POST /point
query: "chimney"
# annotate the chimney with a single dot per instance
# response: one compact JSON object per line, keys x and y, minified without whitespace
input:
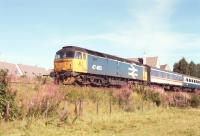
{"x":144,"y":59}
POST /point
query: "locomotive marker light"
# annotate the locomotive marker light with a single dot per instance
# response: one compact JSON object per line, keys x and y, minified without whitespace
{"x":133,"y":70}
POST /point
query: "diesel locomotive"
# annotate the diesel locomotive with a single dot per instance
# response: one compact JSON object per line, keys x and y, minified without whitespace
{"x":75,"y":65}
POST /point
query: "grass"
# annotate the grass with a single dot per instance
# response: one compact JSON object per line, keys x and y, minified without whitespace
{"x":153,"y":121}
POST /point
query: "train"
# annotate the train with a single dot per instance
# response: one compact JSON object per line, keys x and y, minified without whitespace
{"x":76,"y":65}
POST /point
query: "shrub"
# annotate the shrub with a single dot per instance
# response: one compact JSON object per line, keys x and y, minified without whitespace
{"x":195,"y":101}
{"x":122,"y":96}
{"x":45,"y":101}
{"x":151,"y":95}
{"x":155,"y":97}
{"x":7,"y":97}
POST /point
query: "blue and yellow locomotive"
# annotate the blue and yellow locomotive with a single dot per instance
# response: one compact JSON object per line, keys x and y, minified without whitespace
{"x":82,"y":66}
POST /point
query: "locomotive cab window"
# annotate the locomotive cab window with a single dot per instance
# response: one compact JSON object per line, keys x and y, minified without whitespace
{"x":78,"y":55}
{"x":69,"y":54}
{"x":57,"y":56}
{"x":84,"y":56}
{"x":63,"y":55}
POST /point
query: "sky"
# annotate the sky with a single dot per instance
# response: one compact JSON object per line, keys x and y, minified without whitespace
{"x":31,"y":31}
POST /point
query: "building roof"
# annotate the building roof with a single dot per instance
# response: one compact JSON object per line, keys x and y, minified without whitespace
{"x":31,"y":71}
{"x":21,"y":69}
{"x":151,"y":61}
{"x":12,"y":70}
{"x":165,"y":67}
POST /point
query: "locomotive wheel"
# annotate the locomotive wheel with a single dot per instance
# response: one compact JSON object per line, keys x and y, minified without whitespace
{"x":69,"y":80}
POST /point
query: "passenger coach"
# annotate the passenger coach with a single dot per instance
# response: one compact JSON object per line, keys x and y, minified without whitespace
{"x":159,"y":76}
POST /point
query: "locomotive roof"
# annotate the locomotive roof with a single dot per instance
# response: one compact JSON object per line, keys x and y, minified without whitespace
{"x":75,"y":48}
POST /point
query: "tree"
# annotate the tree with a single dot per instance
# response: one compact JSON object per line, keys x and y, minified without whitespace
{"x":198,"y":70}
{"x":192,"y":69}
{"x":176,"y":68}
{"x":181,"y":67}
{"x":8,"y":107}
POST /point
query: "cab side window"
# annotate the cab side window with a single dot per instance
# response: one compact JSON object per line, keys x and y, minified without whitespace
{"x":78,"y":55}
{"x":84,"y":56}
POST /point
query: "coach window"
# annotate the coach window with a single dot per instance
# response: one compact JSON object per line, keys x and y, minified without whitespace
{"x":160,"y":74}
{"x":154,"y":73}
{"x":164,"y":75}
{"x":168,"y":76}
{"x":187,"y":79}
{"x":157,"y":73}
{"x":174,"y":77}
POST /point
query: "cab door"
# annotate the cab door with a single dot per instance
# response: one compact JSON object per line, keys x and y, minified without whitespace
{"x":145,"y":74}
{"x":80,"y":62}
{"x":84,"y":62}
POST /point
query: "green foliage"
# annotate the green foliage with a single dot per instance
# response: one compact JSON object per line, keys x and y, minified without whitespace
{"x":155,"y":122}
{"x":183,"y":67}
{"x":192,"y":69}
{"x":154,"y":97}
{"x":195,"y":101}
{"x":7,"y":97}
{"x":75,"y":94}
{"x":44,"y":102}
{"x":198,"y":70}
{"x":149,"y":95}
{"x":95,"y":95}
